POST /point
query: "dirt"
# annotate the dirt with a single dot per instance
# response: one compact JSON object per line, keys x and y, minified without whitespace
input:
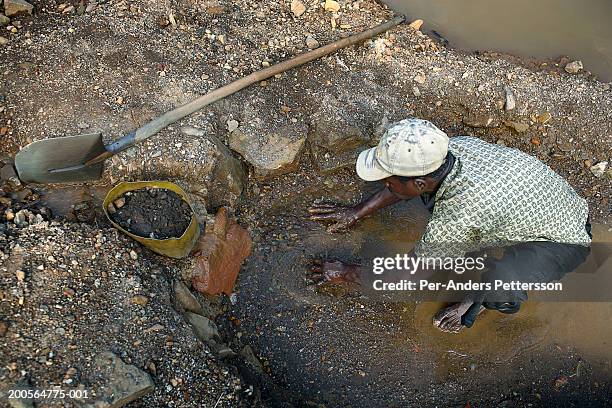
{"x":118,"y":65}
{"x":155,"y":213}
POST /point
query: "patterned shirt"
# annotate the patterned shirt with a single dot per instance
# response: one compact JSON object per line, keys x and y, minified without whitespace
{"x":496,"y":196}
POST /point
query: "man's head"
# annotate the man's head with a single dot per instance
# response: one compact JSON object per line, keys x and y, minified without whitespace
{"x":410,"y":158}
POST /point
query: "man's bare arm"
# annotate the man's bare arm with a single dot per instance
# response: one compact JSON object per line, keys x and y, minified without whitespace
{"x":344,"y":217}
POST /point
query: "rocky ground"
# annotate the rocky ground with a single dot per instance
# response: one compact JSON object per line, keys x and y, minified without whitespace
{"x":266,"y":152}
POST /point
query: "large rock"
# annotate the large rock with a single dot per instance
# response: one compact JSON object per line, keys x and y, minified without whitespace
{"x":271,"y":150}
{"x":117,"y":383}
{"x":336,"y":136}
{"x":16,"y":7}
{"x":218,"y":255}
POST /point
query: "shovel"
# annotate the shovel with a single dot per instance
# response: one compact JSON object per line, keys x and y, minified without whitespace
{"x":81,"y":158}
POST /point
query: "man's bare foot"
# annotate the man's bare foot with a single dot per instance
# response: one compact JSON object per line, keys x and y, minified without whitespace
{"x":449,"y":319}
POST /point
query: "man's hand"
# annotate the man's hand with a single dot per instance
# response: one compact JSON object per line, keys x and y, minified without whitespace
{"x":333,"y":272}
{"x":342,"y":217}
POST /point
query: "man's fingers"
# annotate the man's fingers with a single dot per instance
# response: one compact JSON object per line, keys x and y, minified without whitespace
{"x":316,"y":269}
{"x":323,"y":216}
{"x":319,"y":209}
{"x":324,"y":205}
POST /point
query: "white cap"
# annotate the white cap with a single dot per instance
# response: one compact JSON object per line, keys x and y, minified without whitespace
{"x":411,"y":147}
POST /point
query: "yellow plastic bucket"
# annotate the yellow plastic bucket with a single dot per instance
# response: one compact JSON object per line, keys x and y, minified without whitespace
{"x":172,"y":247}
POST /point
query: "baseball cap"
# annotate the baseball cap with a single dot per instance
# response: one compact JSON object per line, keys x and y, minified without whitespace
{"x":411,"y":147}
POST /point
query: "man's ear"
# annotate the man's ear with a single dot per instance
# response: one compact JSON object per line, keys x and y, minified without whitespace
{"x":420,"y":184}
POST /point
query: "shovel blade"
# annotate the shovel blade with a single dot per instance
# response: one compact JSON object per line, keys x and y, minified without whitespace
{"x":35,"y":161}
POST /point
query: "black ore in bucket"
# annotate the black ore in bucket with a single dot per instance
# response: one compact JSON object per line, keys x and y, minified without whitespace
{"x":149,"y":212}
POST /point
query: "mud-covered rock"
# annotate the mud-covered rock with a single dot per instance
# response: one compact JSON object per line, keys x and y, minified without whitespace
{"x":218,"y":255}
{"x":116,"y":383}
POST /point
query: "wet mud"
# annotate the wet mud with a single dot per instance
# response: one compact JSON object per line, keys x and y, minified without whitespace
{"x":346,"y":348}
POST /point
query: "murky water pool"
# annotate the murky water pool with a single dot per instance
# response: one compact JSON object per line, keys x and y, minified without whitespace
{"x":543,"y":28}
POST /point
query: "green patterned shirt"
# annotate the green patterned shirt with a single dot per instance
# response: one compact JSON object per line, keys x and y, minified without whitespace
{"x":497,"y":196}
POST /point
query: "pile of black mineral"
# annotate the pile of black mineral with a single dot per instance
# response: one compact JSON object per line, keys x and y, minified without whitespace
{"x":151,"y":213}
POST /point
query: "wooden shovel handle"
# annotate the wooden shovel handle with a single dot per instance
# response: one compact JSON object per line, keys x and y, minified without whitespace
{"x":168,"y":118}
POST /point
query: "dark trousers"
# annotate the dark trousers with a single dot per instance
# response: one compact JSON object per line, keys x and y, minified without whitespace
{"x":529,"y":262}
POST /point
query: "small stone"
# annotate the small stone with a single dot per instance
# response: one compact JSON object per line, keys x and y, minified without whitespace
{"x":297,"y":8}
{"x":120,"y":202}
{"x":15,"y":7}
{"x":185,"y":298}
{"x":415,"y":91}
{"x":536,"y":141}
{"x":91,"y":7}
{"x":3,"y":40}
{"x":518,"y":126}
{"x":83,"y":125}
{"x":232,"y":125}
{"x":4,"y":20}
{"x":119,"y":100}
{"x":574,"y":67}
{"x":140,"y":300}
{"x":204,"y":328}
{"x":311,"y":42}
{"x":133,"y":255}
{"x":544,"y":118}
{"x":20,"y":275}
{"x":70,"y":372}
{"x":3,"y":329}
{"x":331,"y":5}
{"x":416,"y":24}
{"x":69,"y":292}
{"x":111,"y":208}
{"x":510,"y":99}
{"x":9,"y":215}
{"x":21,"y":218}
{"x":599,"y":169}
{"x":420,"y":79}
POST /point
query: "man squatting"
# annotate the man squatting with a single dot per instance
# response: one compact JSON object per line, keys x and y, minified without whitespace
{"x":480,"y":195}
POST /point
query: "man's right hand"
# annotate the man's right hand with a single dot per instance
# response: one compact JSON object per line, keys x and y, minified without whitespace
{"x":342,"y":217}
{"x":334,"y":272}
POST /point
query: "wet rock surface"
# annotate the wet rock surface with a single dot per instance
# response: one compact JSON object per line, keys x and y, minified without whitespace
{"x":152,"y":213}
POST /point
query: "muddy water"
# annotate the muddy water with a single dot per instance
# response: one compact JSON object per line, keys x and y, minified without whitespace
{"x":543,"y":28}
{"x":498,"y":338}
